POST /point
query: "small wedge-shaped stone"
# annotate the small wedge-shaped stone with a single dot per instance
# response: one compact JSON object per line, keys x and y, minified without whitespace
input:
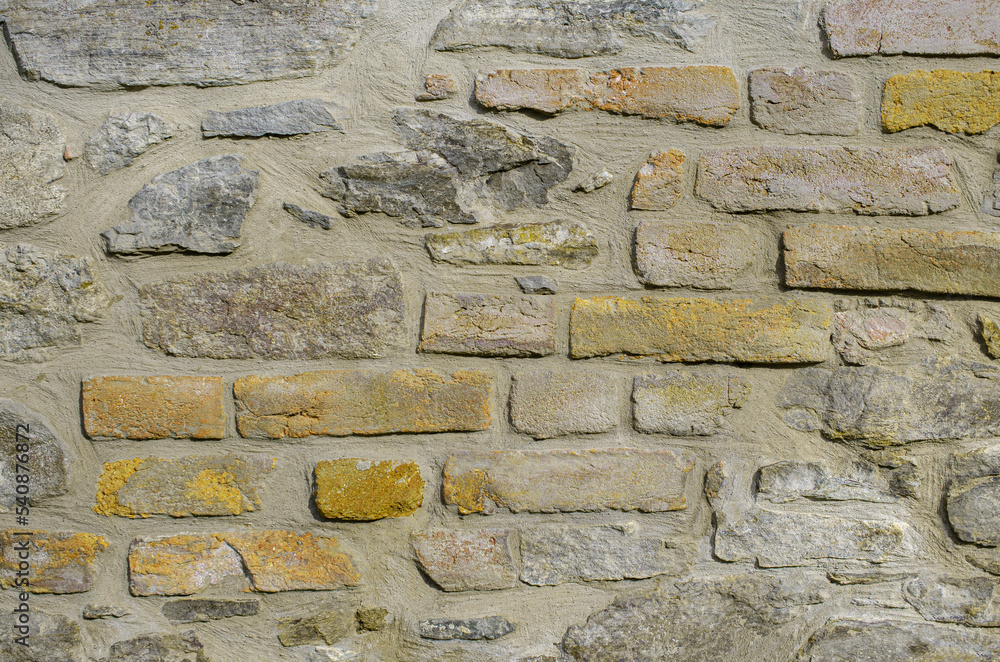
{"x":776,"y":540}
{"x":59,"y":562}
{"x":566,"y":244}
{"x":156,"y":647}
{"x":134,"y":43}
{"x":707,"y":95}
{"x":47,"y":463}
{"x":278,"y":311}
{"x":365,"y":490}
{"x":873,"y":181}
{"x":473,"y":560}
{"x":31,"y":160}
{"x":853,"y":480}
{"x":262,"y":561}
{"x":160,"y":407}
{"x":472,"y":629}
{"x":952,"y":101}
{"x":705,"y":256}
{"x":198,"y":208}
{"x":974,"y":510}
{"x":857,"y":258}
{"x":566,"y":481}
{"x":569,"y":28}
{"x":202,"y":611}
{"x":694,"y":329}
{"x":971,"y":601}
{"x":658,"y":183}
{"x":45,"y":298}
{"x":841,"y":640}
{"x":553,"y":555}
{"x":548,"y":404}
{"x":795,"y":101}
{"x":123,"y":137}
{"x":684,"y":403}
{"x":214,"y":485}
{"x":308,"y":216}
{"x":928,"y":27}
{"x":288,"y":118}
{"x":511,"y":325}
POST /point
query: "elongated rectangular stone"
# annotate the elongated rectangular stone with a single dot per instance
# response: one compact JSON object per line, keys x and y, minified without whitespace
{"x":858,"y":258}
{"x":288,"y":118}
{"x":467,"y":560}
{"x":692,"y":329}
{"x":57,"y":562}
{"x":159,"y":407}
{"x":705,"y":256}
{"x":928,"y":27}
{"x":952,"y":101}
{"x":854,"y":480}
{"x":872,"y":181}
{"x":684,"y":403}
{"x":343,"y":402}
{"x":795,"y":101}
{"x":278,"y":311}
{"x":894,"y":640}
{"x":488,"y":325}
{"x":566,"y":481}
{"x":566,"y":244}
{"x":549,"y":404}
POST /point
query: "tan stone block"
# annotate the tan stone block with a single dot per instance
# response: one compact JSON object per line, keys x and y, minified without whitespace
{"x":795,"y":101}
{"x":549,"y":404}
{"x":364,"y":490}
{"x":344,"y":402}
{"x":658,"y":182}
{"x":686,"y":403}
{"x":488,"y":325}
{"x":476,"y":560}
{"x":58,"y":562}
{"x":694,"y":329}
{"x":952,"y":101}
{"x":709,"y":256}
{"x":157,"y":407}
{"x":567,"y":244}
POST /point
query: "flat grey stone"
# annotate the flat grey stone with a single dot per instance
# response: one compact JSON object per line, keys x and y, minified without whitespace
{"x":320,"y":627}
{"x":355,"y":310}
{"x":198,"y":208}
{"x":570,"y":28}
{"x":514,"y":325}
{"x":795,"y":101}
{"x":94,"y":612}
{"x":553,"y":555}
{"x":308,"y":216}
{"x":156,"y":647}
{"x":567,"y":244}
{"x":537,"y":284}
{"x":52,"y":638}
{"x":974,"y":510}
{"x":548,"y":404}
{"x":971,"y":601}
{"x":864,"y":578}
{"x":31,"y":160}
{"x":978,"y":463}
{"x":288,"y":118}
{"x":123,"y":137}
{"x":850,"y":640}
{"x":473,"y":629}
{"x":46,"y":296}
{"x":686,"y":403}
{"x":47,"y":463}
{"x":133,"y":43}
{"x":202,"y":611}
{"x":851,"y":480}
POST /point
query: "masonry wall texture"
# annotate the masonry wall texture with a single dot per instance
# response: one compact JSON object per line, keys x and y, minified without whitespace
{"x":500,"y":331}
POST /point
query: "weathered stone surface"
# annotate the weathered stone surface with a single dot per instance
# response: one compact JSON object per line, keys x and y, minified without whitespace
{"x":693,"y":329}
{"x":31,"y":160}
{"x":930,"y":27}
{"x":990,"y":333}
{"x":977,"y":463}
{"x":198,"y":208}
{"x":60,"y":562}
{"x":883,"y":407}
{"x":46,"y":297}
{"x":458,"y":170}
{"x":862,"y":329}
{"x":801,"y":101}
{"x":706,"y":256}
{"x":971,"y":601}
{"x":94,"y":612}
{"x":371,"y":619}
{"x":492,"y":627}
{"x":707,"y":95}
{"x":47,"y":462}
{"x":202,"y":611}
{"x":537,"y":284}
{"x":488,"y":325}
{"x":308,"y":216}
{"x":466,"y":560}
{"x":322,"y":627}
{"x":155,"y":647}
{"x":854,"y":258}
{"x":123,"y":137}
{"x":684,"y":403}
{"x":549,"y":404}
{"x":569,"y":28}
{"x":51,"y":638}
{"x":991,"y":203}
{"x":873,"y":181}
{"x":278,"y":311}
{"x":594,"y":182}
{"x":159,"y":407}
{"x":213,"y":485}
{"x":865,"y":577}
{"x":132,"y":43}
{"x":841,"y":640}
{"x":849,"y":480}
{"x":566,"y":244}
{"x":343,"y":402}
{"x":952,"y":101}
{"x":973,"y":510}
{"x":262,"y":561}
{"x":658,"y":183}
{"x":776,"y":540}
{"x":365,"y":490}
{"x":438,"y":87}
{"x":559,"y":554}
{"x":288,"y":118}
{"x":566,"y":481}
{"x":695,"y":620}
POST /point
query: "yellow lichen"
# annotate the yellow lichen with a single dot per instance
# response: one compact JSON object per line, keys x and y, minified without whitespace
{"x":114,"y":478}
{"x":216,"y":487}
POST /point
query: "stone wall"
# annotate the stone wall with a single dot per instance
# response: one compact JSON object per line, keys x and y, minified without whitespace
{"x":496,"y":330}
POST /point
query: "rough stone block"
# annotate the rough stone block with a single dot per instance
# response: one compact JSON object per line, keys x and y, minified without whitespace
{"x":123,"y":137}
{"x":567,"y":244}
{"x":566,"y":481}
{"x":288,"y":118}
{"x":973,"y":509}
{"x":471,"y":629}
{"x":278,"y":311}
{"x":549,"y":404}
{"x":705,"y":256}
{"x":170,"y":647}
{"x":973,"y":601}
{"x":509,"y":325}
{"x":365,"y":490}
{"x":852,"y":480}
{"x":952,"y":101}
{"x":990,"y":333}
{"x":31,"y":160}
{"x":45,"y":459}
{"x":323,"y":627}
{"x":52,"y":638}
{"x":159,"y":407}
{"x":694,"y":329}
{"x":466,"y":560}
{"x":873,"y":181}
{"x":863,"y":329}
{"x":343,"y":402}
{"x":795,"y":101}
{"x":537,"y":284}
{"x":683,"y":403}
{"x":438,"y":87}
{"x":658,"y":183}
{"x":59,"y":562}
{"x":891,"y":640}
{"x":203,"y":611}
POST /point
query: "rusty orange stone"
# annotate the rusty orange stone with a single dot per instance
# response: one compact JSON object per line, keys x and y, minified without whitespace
{"x":364,"y":490}
{"x":59,"y":562}
{"x":658,"y":183}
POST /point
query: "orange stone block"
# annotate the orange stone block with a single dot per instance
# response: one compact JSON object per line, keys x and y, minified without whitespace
{"x":363,"y":490}
{"x":58,"y":562}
